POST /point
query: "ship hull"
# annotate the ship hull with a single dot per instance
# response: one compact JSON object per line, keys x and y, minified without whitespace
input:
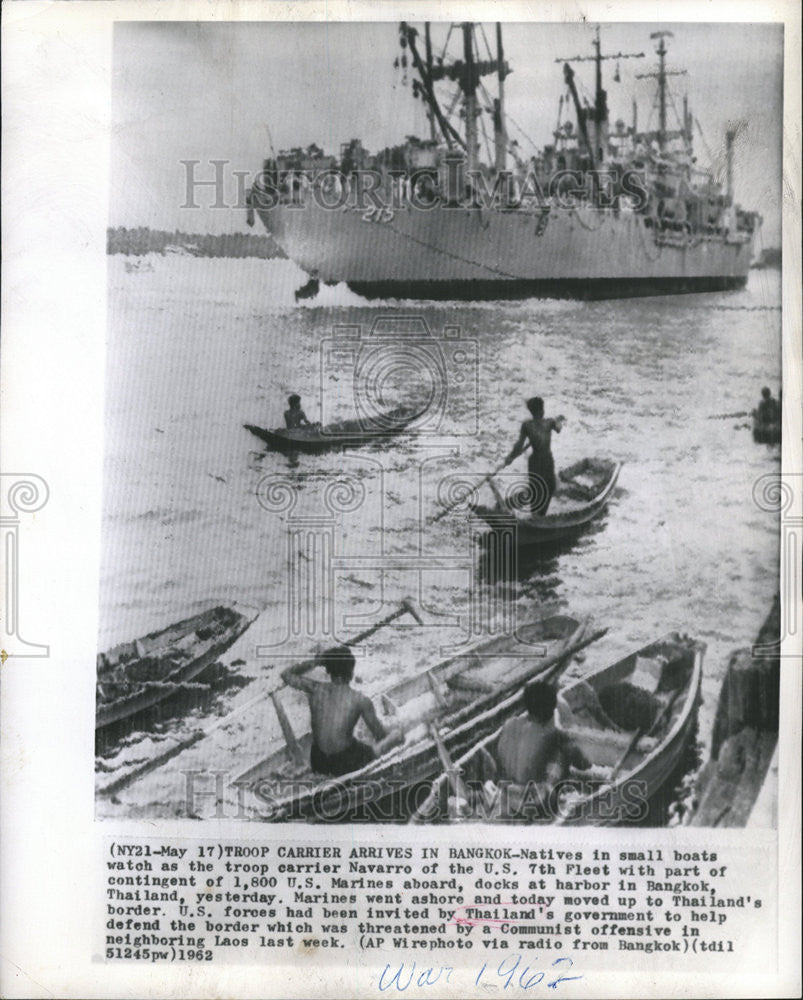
{"x":472,"y":253}
{"x":550,"y":288}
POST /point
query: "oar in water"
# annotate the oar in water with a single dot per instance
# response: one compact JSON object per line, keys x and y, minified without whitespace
{"x":407,"y":607}
{"x":729,"y":416}
{"x":485,"y":479}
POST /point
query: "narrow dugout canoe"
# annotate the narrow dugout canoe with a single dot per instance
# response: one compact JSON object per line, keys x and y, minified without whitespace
{"x":343,"y":434}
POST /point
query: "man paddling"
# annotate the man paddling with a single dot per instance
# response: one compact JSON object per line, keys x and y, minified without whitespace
{"x":335,"y":709}
{"x":295,"y":416}
{"x":541,"y":465}
{"x":532,"y":747}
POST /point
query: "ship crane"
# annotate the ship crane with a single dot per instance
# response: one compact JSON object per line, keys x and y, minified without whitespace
{"x":661,"y":75}
{"x":600,"y":113}
{"x":467,"y":73}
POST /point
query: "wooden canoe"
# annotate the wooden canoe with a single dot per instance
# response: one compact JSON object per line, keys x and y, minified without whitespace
{"x":583,"y":493}
{"x":344,"y":434}
{"x":633,"y":721}
{"x":467,"y":695}
{"x":137,"y":675}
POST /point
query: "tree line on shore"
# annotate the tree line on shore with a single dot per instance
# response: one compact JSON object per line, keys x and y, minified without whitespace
{"x":143,"y":240}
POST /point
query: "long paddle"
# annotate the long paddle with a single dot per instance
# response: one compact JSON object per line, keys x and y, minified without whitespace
{"x":729,"y":416}
{"x":559,"y":662}
{"x":450,"y":507}
{"x":644,"y":731}
{"x":453,"y":775}
{"x":407,"y":606}
{"x":523,"y":677}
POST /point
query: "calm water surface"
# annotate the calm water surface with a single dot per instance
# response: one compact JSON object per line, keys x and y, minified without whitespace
{"x":198,"y":347}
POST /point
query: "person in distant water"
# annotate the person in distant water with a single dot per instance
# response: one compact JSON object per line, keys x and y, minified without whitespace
{"x":769,"y":410}
{"x":541,"y":465}
{"x":295,"y":416}
{"x":335,"y":709}
{"x":532,"y":747}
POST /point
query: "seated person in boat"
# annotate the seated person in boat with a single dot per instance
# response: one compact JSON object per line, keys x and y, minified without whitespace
{"x":769,"y":410}
{"x":335,"y":709}
{"x":532,"y":748}
{"x":541,"y":466}
{"x":295,"y":416}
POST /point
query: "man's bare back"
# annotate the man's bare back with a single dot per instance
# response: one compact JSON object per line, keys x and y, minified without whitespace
{"x":335,"y":710}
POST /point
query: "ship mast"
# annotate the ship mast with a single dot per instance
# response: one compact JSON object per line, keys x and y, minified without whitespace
{"x":466,"y":73}
{"x":470,"y":93}
{"x":500,"y":133}
{"x":430,"y":116}
{"x":600,"y":102}
{"x":661,"y":76}
{"x":598,"y":149}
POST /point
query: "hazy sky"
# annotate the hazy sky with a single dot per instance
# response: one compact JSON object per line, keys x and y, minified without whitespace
{"x":188,"y":90}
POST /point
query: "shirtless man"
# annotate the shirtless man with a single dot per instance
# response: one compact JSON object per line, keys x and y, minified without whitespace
{"x":532,"y":748}
{"x":541,"y":465}
{"x":295,"y":416}
{"x":335,"y":709}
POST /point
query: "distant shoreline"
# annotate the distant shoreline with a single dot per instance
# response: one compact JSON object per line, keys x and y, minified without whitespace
{"x":142,"y":240}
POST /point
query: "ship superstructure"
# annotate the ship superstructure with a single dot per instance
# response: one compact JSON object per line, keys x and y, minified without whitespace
{"x":604,"y":210}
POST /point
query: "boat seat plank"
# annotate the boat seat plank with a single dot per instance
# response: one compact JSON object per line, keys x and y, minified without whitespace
{"x":459,"y":682}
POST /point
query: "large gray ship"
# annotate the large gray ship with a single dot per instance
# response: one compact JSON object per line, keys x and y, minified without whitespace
{"x":604,"y":211}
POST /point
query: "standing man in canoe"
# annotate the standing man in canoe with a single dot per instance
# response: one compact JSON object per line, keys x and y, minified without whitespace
{"x":541,"y":466}
{"x":295,"y":416}
{"x":335,"y":709}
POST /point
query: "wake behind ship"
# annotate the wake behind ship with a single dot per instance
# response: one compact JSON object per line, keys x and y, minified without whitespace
{"x":602,"y":212}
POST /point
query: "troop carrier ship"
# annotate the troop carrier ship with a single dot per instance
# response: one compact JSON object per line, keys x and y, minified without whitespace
{"x":604,"y":211}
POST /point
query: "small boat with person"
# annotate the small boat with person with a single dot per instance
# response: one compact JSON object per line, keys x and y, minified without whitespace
{"x":467,"y":696}
{"x":352,"y":433}
{"x":136,"y":675}
{"x":583,"y":493}
{"x":766,"y":431}
{"x":632,"y":720}
{"x":767,"y":419}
